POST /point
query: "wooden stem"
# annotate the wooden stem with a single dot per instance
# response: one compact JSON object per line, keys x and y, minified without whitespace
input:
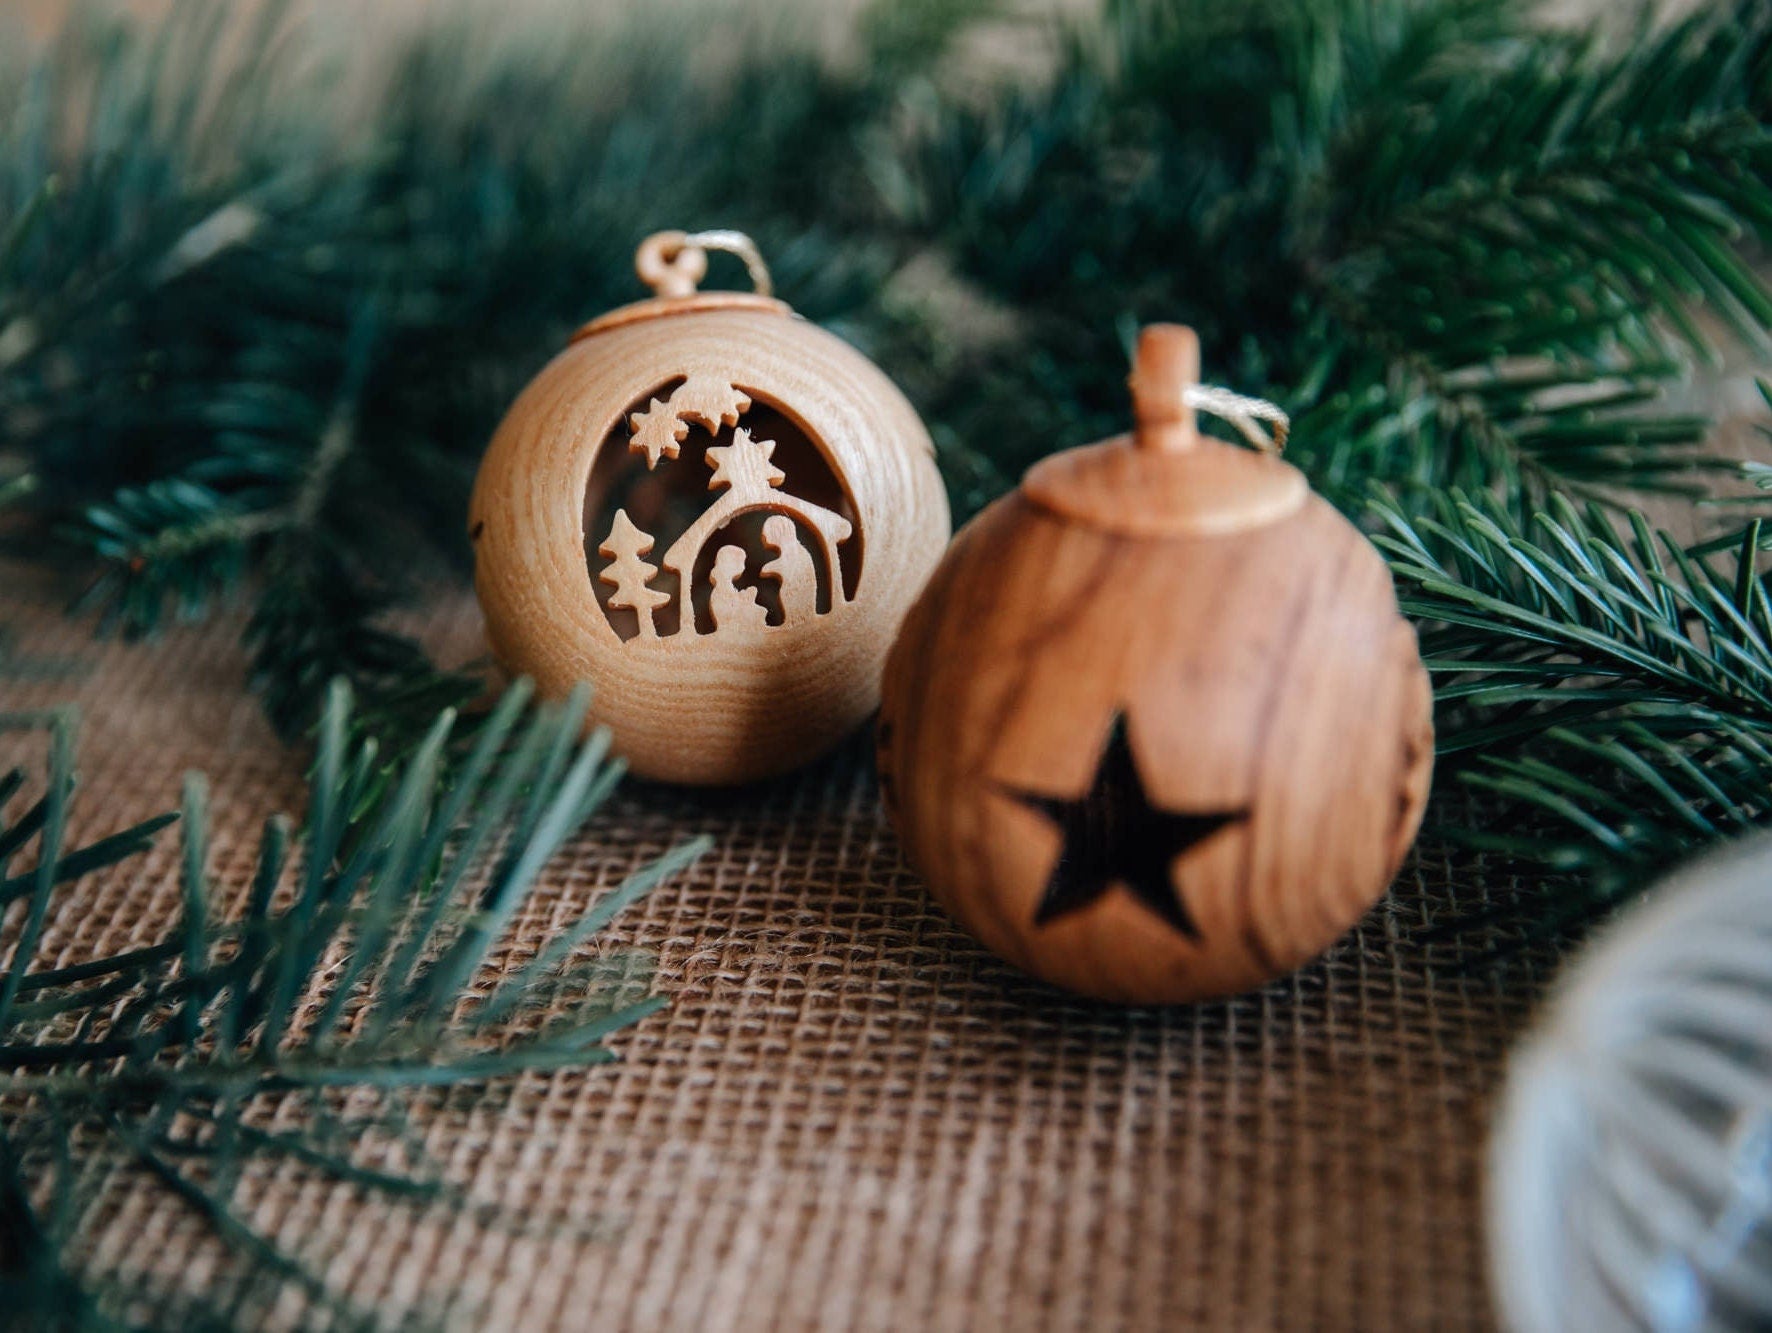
{"x":670,"y":264}
{"x":1166,"y":367}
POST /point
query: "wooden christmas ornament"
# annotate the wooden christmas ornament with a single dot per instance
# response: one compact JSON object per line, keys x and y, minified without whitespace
{"x":716,"y":513}
{"x":1155,"y":730}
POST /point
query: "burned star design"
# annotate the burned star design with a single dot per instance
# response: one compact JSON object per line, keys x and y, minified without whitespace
{"x":1114,"y":835}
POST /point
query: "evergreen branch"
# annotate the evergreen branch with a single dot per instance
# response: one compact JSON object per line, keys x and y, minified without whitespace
{"x":1509,"y":119}
{"x":366,"y":978}
{"x":1567,"y":219}
{"x":35,"y":1287}
{"x":1342,"y":187}
{"x":172,"y":540}
{"x":1611,"y":688}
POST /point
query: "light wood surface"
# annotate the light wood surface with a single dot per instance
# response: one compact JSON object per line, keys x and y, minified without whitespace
{"x":1157,"y":768}
{"x":745,"y":415}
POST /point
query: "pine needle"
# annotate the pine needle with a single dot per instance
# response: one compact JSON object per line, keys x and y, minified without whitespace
{"x":221,"y":1015}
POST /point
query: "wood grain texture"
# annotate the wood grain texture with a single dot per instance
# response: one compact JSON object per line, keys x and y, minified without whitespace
{"x":742,"y":700}
{"x":1277,"y":715}
{"x":1146,"y":493}
{"x":1267,"y":671}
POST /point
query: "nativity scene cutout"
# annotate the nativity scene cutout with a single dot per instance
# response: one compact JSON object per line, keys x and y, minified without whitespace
{"x":756,"y":557}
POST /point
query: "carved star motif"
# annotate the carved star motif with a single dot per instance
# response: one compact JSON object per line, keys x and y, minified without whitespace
{"x":1114,"y":835}
{"x":744,"y":464}
{"x":658,"y":430}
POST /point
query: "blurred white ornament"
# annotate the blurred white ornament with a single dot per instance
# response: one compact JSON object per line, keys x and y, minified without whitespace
{"x":1631,"y":1168}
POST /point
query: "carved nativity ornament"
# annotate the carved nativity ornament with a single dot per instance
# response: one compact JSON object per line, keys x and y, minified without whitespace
{"x":716,"y":513}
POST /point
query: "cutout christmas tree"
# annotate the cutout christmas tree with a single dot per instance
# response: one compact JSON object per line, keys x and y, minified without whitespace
{"x":629,"y":574}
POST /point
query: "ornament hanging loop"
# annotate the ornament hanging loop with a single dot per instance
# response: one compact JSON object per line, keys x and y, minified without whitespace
{"x":1166,"y":390}
{"x":1246,"y":414}
{"x":673,"y":263}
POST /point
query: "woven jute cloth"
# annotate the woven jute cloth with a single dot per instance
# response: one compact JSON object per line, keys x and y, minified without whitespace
{"x":849,"y":1115}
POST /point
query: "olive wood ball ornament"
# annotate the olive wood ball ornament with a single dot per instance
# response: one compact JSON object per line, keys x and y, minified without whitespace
{"x":716,"y":513}
{"x":1155,"y":731}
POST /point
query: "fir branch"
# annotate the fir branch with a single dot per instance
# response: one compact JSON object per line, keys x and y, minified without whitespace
{"x":1443,"y":199}
{"x":1611,"y":688}
{"x":368,"y":976}
{"x":1557,"y":212}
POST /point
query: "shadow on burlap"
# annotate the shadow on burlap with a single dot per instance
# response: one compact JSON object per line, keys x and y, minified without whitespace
{"x":849,"y":1115}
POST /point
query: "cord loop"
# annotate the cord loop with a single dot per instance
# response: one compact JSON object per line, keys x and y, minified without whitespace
{"x":673,"y":263}
{"x":1244,"y":413}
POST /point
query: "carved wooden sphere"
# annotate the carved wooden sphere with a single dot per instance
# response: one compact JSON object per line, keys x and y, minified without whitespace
{"x":1155,"y":730}
{"x":716,"y":513}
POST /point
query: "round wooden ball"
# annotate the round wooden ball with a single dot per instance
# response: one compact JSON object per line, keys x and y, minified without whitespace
{"x":716,"y":513}
{"x":1155,"y":730}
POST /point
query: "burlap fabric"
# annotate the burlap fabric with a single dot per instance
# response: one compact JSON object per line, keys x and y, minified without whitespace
{"x":849,"y":1116}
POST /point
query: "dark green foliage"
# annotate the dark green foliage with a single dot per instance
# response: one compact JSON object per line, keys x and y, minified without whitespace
{"x":357,"y":961}
{"x":1616,"y":686}
{"x":1432,"y":203}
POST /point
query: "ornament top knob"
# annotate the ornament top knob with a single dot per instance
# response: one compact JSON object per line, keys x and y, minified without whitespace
{"x":668,"y":264}
{"x":1165,"y":479}
{"x":1166,"y":366}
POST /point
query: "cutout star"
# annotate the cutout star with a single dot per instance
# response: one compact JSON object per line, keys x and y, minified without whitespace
{"x":743,"y":465}
{"x":658,"y":430}
{"x":1114,"y":835}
